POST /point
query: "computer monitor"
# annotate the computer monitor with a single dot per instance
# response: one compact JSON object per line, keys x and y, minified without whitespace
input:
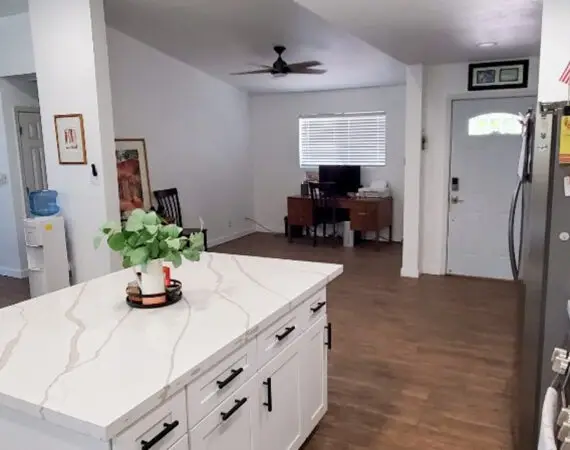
{"x":346,"y":178}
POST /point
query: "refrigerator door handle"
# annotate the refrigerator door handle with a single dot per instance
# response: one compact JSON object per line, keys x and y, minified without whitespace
{"x":511,"y":237}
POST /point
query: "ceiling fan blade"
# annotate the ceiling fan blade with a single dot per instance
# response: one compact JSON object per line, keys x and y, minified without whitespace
{"x":309,"y":71}
{"x":253,"y":72}
{"x":304,"y":65}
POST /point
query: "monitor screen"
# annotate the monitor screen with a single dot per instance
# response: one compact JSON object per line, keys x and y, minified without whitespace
{"x":346,"y":178}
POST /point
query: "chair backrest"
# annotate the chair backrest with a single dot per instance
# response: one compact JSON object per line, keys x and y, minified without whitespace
{"x":169,"y":205}
{"x":322,"y":194}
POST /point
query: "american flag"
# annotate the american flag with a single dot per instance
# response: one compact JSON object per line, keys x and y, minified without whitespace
{"x":565,"y":77}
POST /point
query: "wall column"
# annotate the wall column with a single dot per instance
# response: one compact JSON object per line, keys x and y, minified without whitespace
{"x":72,"y":68}
{"x":412,"y":176}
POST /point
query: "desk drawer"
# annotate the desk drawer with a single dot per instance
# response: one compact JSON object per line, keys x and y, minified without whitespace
{"x":279,"y":335}
{"x":216,"y":385}
{"x":364,"y":216}
{"x":165,"y":425}
{"x":299,"y":211}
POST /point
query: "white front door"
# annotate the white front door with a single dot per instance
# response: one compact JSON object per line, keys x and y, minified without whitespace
{"x":485,"y":147}
{"x":32,"y":158}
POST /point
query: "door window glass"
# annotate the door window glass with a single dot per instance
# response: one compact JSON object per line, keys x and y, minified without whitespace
{"x":495,"y":123}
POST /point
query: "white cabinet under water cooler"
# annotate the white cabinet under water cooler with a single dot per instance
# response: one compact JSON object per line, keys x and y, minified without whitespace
{"x":46,"y":250}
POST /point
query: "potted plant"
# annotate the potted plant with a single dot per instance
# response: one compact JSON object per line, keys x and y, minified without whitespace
{"x":145,"y":240}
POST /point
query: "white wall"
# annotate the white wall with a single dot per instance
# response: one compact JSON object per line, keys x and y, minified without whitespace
{"x":196,"y":130}
{"x":70,"y":53}
{"x":16,"y":53}
{"x":12,"y":252}
{"x":442,"y":84}
{"x":554,"y":51}
{"x":275,"y":144}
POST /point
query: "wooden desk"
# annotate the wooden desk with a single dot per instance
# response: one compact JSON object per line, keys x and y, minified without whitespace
{"x":366,"y":214}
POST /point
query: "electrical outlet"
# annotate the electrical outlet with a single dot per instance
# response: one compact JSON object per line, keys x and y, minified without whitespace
{"x":229,"y":223}
{"x":3,"y":179}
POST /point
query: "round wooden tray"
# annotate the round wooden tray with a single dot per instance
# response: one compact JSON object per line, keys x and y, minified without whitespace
{"x":173,"y":295}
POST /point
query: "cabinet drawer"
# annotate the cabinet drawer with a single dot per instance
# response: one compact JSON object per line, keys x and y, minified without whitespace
{"x":314,"y":308}
{"x":279,"y":335}
{"x":231,"y":426}
{"x":216,"y":385}
{"x":165,"y":425}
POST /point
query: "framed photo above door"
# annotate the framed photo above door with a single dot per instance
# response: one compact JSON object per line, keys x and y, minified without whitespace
{"x":132,"y":173}
{"x":498,"y":75}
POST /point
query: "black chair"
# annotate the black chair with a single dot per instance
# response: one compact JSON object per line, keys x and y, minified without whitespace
{"x":169,"y":210}
{"x":324,"y":208}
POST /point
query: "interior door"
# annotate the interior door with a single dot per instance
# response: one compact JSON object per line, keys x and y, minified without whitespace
{"x":279,"y":396}
{"x":32,"y":158}
{"x":485,"y":148}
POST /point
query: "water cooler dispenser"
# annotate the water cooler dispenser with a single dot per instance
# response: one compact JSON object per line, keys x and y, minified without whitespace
{"x":48,"y":268}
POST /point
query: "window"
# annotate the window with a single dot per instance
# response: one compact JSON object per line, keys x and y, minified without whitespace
{"x":355,"y":139}
{"x":495,"y":123}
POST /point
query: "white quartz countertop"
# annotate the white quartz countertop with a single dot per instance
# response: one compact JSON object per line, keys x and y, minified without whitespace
{"x":82,"y":359}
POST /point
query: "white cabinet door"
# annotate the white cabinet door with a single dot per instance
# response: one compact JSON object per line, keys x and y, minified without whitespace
{"x":182,"y":444}
{"x":231,"y":426}
{"x":279,"y":421}
{"x":314,"y":373}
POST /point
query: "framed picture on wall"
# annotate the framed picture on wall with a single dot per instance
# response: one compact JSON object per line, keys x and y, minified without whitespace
{"x":132,"y":173}
{"x":70,"y":137}
{"x":498,"y":75}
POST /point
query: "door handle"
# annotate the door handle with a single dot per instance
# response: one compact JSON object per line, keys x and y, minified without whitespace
{"x":269,"y":402}
{"x":455,"y":200}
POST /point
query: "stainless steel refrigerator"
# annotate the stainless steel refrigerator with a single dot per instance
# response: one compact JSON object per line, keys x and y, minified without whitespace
{"x":541,"y":264}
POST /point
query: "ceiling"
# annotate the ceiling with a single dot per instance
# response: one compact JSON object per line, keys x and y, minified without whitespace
{"x":10,"y":7}
{"x":224,"y":36}
{"x":439,"y":31}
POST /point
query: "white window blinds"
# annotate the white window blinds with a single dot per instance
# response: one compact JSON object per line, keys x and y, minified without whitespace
{"x":355,"y":139}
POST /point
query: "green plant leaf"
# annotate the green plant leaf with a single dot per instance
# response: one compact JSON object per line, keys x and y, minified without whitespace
{"x":150,"y":218}
{"x":135,"y":220}
{"x":191,"y":254}
{"x":153,"y":249}
{"x":111,"y":227}
{"x":116,"y":242}
{"x":171,"y":230}
{"x":127,"y":262}
{"x":133,"y":240}
{"x":174,"y":258}
{"x":197,"y":240}
{"x":97,"y":241}
{"x":152,"y":229}
{"x":138,"y":256}
{"x":173,"y":244}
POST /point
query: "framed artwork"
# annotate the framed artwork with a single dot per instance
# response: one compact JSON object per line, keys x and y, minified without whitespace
{"x":498,"y":75}
{"x":132,"y":173}
{"x":70,"y":138}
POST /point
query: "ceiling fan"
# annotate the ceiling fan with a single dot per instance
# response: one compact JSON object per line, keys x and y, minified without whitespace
{"x":280,"y":68}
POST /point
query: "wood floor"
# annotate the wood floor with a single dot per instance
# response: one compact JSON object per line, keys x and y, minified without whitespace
{"x":416,"y":364}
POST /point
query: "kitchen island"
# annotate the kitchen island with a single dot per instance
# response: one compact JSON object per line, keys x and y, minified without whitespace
{"x":240,"y":363}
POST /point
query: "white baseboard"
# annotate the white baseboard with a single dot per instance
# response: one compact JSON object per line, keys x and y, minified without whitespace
{"x":407,"y":272}
{"x":231,"y":237}
{"x":13,"y":273}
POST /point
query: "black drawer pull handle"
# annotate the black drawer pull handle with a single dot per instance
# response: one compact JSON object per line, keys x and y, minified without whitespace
{"x":269,"y":402}
{"x":231,"y":412}
{"x":318,"y":307}
{"x":329,"y":336}
{"x":235,"y":372}
{"x":286,"y":333}
{"x":168,"y":427}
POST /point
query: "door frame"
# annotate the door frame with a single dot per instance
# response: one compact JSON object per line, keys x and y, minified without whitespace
{"x":447,"y":167}
{"x":17,"y":111}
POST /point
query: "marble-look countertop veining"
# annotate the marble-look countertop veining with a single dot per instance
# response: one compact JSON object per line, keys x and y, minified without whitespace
{"x":82,"y":359}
